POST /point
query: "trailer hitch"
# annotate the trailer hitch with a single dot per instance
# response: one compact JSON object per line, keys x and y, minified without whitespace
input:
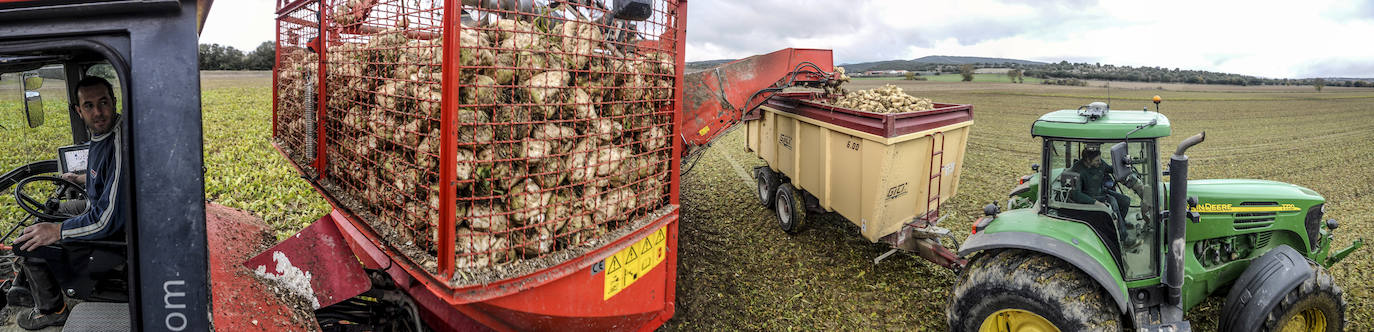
{"x":926,"y":240}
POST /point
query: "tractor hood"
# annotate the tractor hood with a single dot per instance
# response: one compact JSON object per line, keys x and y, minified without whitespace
{"x":1242,"y":195}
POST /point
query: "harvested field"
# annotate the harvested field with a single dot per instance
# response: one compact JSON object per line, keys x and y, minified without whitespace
{"x":739,"y":271}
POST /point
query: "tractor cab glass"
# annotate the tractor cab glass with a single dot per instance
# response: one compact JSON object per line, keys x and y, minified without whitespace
{"x":1084,"y":186}
{"x":24,"y":92}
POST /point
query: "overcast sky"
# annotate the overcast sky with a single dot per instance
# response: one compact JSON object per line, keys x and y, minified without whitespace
{"x":1279,"y":39}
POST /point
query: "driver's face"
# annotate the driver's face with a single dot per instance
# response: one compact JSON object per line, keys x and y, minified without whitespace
{"x":1094,"y":161}
{"x":96,"y":108}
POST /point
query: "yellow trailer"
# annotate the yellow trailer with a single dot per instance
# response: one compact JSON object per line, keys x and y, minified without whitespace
{"x":883,"y":172}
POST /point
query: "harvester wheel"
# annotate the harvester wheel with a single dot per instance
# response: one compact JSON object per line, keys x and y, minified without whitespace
{"x":767,"y":185}
{"x":1019,"y":290}
{"x":1315,"y":305}
{"x":789,"y":208}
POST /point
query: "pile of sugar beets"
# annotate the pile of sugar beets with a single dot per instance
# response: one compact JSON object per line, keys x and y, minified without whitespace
{"x":564,"y":136}
{"x":885,"y":99}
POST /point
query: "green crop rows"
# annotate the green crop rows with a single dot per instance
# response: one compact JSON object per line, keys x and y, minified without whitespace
{"x":243,"y":170}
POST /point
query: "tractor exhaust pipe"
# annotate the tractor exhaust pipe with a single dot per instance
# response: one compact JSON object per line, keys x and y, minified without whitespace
{"x":1178,"y":214}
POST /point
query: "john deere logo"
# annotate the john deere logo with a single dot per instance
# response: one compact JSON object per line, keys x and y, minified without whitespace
{"x":1228,"y":208}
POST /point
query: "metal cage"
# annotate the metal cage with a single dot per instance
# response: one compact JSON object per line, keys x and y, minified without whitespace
{"x":483,"y":141}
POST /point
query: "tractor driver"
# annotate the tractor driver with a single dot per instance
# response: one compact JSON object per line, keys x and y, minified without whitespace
{"x":102,"y":218}
{"x":1093,"y":177}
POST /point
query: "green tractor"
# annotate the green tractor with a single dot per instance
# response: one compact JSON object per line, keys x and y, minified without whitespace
{"x":1107,"y":244}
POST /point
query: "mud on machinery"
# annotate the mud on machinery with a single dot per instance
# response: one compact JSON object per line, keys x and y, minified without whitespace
{"x":1055,"y":263}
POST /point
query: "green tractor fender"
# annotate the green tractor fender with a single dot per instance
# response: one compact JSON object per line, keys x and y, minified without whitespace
{"x":1260,"y":288}
{"x":1106,"y":276}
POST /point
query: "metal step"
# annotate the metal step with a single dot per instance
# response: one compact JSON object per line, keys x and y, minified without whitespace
{"x":98,"y":316}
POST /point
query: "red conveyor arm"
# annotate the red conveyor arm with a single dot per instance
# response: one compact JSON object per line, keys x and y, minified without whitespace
{"x":716,"y":99}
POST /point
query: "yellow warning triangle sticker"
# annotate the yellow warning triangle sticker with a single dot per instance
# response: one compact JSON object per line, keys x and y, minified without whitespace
{"x":644,"y":249}
{"x":612,"y":265}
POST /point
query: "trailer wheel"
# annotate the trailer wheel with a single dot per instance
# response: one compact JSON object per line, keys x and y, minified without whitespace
{"x":1011,"y":290}
{"x":1315,"y":305}
{"x":767,"y":185}
{"x":790,"y":209}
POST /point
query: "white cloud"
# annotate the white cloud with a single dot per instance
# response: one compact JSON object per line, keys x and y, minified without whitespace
{"x":1263,"y":38}
{"x":242,"y":24}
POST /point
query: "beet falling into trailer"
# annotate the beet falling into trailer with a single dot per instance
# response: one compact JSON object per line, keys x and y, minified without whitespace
{"x":492,"y":149}
{"x":887,"y":168}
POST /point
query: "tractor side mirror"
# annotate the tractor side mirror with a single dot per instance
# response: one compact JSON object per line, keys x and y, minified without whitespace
{"x":1121,"y":162}
{"x":33,"y":101}
{"x":32,"y":81}
{"x":1035,"y":167}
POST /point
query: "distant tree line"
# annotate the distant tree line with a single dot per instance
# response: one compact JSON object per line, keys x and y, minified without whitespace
{"x":225,"y":57}
{"x":1065,"y":81}
{"x":1098,"y":71}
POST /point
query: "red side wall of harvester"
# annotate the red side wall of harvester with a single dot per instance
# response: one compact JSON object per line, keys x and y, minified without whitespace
{"x":497,"y":193}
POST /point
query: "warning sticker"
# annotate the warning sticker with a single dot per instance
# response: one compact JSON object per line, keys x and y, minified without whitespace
{"x":628,"y":265}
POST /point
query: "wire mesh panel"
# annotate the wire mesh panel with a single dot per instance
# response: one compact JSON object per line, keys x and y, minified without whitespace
{"x":384,"y":91}
{"x":567,"y":126}
{"x":297,"y":82}
{"x":561,"y":131}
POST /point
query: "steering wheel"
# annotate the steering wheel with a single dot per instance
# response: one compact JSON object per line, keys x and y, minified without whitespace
{"x":46,"y":208}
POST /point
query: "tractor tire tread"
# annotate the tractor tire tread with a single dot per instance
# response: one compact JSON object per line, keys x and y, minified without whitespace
{"x":1321,"y":290}
{"x":1081,"y":304}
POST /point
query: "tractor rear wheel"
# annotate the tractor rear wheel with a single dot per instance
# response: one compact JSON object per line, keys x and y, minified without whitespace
{"x":1019,"y":290}
{"x":790,"y":209}
{"x":767,"y":185}
{"x":1316,"y":305}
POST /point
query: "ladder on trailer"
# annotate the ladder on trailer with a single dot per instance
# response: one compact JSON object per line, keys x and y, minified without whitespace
{"x":937,"y":172}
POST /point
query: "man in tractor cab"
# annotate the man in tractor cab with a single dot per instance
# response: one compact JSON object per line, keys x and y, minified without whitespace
{"x":1093,"y":181}
{"x":103,"y":216}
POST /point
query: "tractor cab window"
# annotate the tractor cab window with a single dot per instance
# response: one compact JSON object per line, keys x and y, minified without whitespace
{"x":33,"y":125}
{"x":30,"y":99}
{"x":1121,"y":208}
{"x":60,"y":175}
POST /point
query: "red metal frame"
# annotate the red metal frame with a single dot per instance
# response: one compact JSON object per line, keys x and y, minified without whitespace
{"x":448,"y":143}
{"x":675,"y":176}
{"x":507,"y":303}
{"x":321,"y":157}
{"x":276,"y":63}
{"x":285,"y":6}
